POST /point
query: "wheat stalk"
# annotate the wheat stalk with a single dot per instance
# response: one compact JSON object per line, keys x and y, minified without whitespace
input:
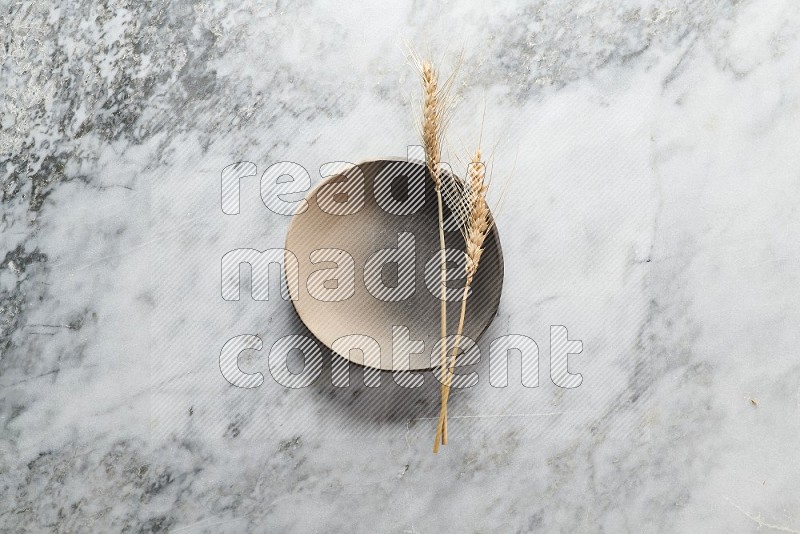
{"x":470,"y":200}
{"x":434,"y":118}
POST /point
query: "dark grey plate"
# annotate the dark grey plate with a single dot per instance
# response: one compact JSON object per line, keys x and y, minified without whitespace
{"x":345,"y":213}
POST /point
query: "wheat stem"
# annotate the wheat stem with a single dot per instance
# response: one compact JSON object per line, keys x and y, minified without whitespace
{"x":442,"y":307}
{"x":450,"y":371}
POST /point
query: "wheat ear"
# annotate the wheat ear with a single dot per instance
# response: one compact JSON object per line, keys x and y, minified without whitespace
{"x":431,"y":113}
{"x":477,"y":224}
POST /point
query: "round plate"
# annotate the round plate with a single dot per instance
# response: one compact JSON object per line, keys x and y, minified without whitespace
{"x":362,"y":242}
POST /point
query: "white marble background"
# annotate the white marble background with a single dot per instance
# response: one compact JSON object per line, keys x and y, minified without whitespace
{"x":652,"y":153}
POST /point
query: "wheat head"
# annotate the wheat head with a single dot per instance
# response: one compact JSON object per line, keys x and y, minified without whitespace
{"x":431,"y":121}
{"x":478,"y":221}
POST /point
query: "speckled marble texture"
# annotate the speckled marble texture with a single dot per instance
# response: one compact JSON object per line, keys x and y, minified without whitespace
{"x":651,"y":152}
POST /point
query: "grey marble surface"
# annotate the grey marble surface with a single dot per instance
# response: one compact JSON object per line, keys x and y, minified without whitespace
{"x":650,"y":151}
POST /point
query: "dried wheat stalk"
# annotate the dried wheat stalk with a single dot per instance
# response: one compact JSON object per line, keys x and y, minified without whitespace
{"x":471,"y":207}
{"x":434,"y":118}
